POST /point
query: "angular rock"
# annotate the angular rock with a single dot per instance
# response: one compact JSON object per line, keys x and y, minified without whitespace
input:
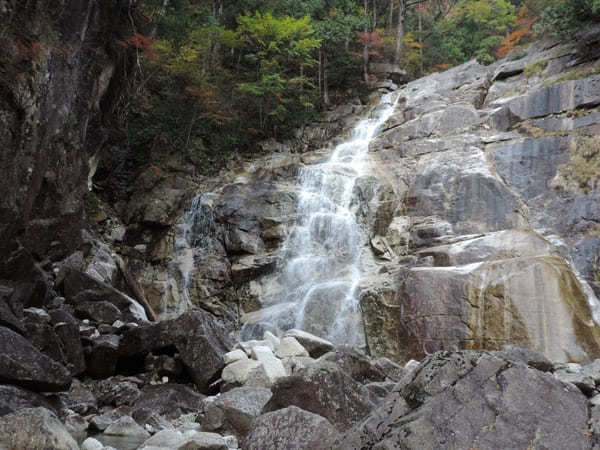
{"x":14,"y":399}
{"x":80,"y":399}
{"x":289,"y":347}
{"x":481,"y":399}
{"x":326,"y":390}
{"x":272,"y":366}
{"x":101,"y":362}
{"x":315,"y":345}
{"x":22,"y":364}
{"x":354,"y":364}
{"x":76,"y":426}
{"x":116,"y":392}
{"x":234,"y":356}
{"x":99,"y":311}
{"x":124,"y":433}
{"x":290,"y":428}
{"x":199,"y":338}
{"x":34,"y":428}
{"x":91,"y":444}
{"x":168,"y":400}
{"x":79,"y":287}
{"x":235,"y":410}
{"x":70,"y":342}
{"x":237,"y":373}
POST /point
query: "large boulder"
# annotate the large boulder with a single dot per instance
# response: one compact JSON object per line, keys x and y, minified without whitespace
{"x":235,"y":410}
{"x":290,"y":428}
{"x":14,"y":399}
{"x":475,"y":400}
{"x":23,"y":364}
{"x":533,"y":301}
{"x":324,"y":389}
{"x":35,"y":429}
{"x":80,"y":288}
{"x":199,"y":338}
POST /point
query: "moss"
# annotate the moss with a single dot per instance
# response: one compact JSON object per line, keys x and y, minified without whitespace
{"x":535,"y":68}
{"x":583,"y":168}
{"x":575,"y":75}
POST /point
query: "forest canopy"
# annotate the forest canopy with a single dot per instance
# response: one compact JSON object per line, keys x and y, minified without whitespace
{"x":214,"y":77}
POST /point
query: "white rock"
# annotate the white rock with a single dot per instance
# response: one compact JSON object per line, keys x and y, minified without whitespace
{"x":315,"y":345}
{"x":239,"y":371}
{"x":270,"y":337}
{"x":91,"y":444}
{"x":412,"y":364}
{"x":126,"y":426}
{"x":234,"y":356}
{"x":289,"y":347}
{"x":273,"y":367}
{"x":247,"y":346}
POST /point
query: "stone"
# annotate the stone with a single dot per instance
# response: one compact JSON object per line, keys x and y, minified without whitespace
{"x":79,"y":287}
{"x":72,"y":349}
{"x":234,"y":356}
{"x":34,"y":428}
{"x":389,"y":368}
{"x":296,"y":363}
{"x":22,"y":364}
{"x":91,"y":444}
{"x":168,"y":400}
{"x":200,"y":339}
{"x":502,"y":405}
{"x":14,"y":399}
{"x":125,"y":432}
{"x":247,"y":346}
{"x":237,"y":373}
{"x":272,"y":366}
{"x":203,"y":441}
{"x":235,"y":410}
{"x":315,"y":345}
{"x":354,"y":364}
{"x":76,"y":425}
{"x":274,"y":340}
{"x":326,"y":390}
{"x":290,"y":428}
{"x":80,"y":399}
{"x":289,"y":347}
{"x":116,"y":392}
{"x":583,"y":382}
{"x":7,"y":316}
{"x":98,"y":311}
{"x":101,"y":422}
{"x":101,"y":362}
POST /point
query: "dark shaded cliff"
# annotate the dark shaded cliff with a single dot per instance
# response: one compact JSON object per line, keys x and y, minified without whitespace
{"x":57,"y":88}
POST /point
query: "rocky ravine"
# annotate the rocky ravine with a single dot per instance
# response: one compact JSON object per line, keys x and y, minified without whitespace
{"x":480,"y":217}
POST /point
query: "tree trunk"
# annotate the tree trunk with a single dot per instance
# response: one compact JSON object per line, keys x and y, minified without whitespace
{"x":400,"y":33}
{"x":391,"y":16}
{"x":325,"y":87}
{"x":320,"y":70}
{"x":366,"y":47}
{"x":420,"y":43}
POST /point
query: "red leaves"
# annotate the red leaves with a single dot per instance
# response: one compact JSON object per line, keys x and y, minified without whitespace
{"x":139,"y":41}
{"x":524,"y":30}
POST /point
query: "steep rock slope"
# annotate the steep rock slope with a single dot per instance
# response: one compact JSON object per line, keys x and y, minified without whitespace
{"x":480,"y":215}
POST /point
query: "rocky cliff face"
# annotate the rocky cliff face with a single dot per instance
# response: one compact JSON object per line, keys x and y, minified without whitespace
{"x":479,"y":209}
{"x":56,"y":85}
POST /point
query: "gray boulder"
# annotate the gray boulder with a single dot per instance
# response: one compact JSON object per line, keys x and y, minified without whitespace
{"x":22,"y":364}
{"x":235,"y":410}
{"x":290,"y":428}
{"x":475,"y":399}
{"x":324,"y":389}
{"x":34,"y":429}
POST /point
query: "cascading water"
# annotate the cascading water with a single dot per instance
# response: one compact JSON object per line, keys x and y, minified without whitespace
{"x":316,"y":288}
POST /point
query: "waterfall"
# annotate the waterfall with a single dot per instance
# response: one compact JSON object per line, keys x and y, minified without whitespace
{"x":316,"y":288}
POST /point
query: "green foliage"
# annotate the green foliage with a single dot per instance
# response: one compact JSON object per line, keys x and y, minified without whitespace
{"x":474,"y":29}
{"x":563,"y":17}
{"x":583,"y":168}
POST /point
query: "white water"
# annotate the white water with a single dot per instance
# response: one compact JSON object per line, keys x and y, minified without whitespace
{"x":316,"y":289}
